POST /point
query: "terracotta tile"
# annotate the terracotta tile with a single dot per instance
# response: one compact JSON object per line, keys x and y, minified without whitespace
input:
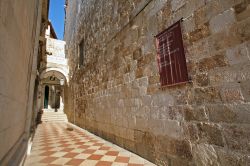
{"x":84,"y":146}
{"x":47,"y":148}
{"x":94,"y":141}
{"x":65,"y":145}
{"x":95,"y":157}
{"x":68,"y":149}
{"x":122,"y":159}
{"x":48,"y":160}
{"x":75,"y":162}
{"x":104,"y":148}
{"x":98,"y":144}
{"x":89,"y":151}
{"x":70,"y":155}
{"x":104,"y":163}
{"x":112,"y":153}
{"x":80,"y":143}
{"x":48,"y":153}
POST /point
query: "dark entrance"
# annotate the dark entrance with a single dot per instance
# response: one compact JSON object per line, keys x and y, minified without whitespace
{"x":46,"y":97}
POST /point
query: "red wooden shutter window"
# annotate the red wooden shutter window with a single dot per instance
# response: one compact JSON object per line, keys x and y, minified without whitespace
{"x":171,"y":57}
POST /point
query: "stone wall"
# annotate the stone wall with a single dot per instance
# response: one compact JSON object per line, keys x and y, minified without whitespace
{"x":117,"y":93}
{"x":18,"y":23}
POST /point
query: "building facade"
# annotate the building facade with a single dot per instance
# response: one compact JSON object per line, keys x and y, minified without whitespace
{"x":115,"y":89}
{"x":22,"y":45}
{"x":53,"y":73}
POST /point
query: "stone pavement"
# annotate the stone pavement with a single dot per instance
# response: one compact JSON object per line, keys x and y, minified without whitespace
{"x":54,"y":145}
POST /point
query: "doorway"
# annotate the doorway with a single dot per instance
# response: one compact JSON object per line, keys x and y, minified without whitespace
{"x":46,"y":97}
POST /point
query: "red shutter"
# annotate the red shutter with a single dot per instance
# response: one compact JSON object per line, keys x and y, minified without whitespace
{"x":171,"y":57}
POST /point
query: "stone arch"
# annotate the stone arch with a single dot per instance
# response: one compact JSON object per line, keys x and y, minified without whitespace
{"x":59,"y":73}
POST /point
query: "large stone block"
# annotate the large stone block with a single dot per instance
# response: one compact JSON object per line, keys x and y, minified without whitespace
{"x":210,"y":133}
{"x":218,"y":60}
{"x":205,"y":155}
{"x":207,"y":95}
{"x":145,"y":144}
{"x":195,"y":114}
{"x":231,"y":93}
{"x":226,"y":157}
{"x":173,"y":147}
{"x":177,"y":4}
{"x":234,"y":133}
{"x":243,"y":72}
{"x":241,"y":30}
{"x":171,"y":128}
{"x":191,"y":132}
{"x":221,"y":76}
{"x":222,"y":21}
{"x":228,"y":113}
{"x":162,"y":100}
{"x":202,"y":79}
{"x":242,"y":10}
{"x":199,"y":33}
{"x":238,"y":54}
{"x":245,"y":89}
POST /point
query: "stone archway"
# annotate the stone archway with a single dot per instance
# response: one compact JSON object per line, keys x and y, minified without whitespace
{"x":55,"y":80}
{"x":59,"y":73}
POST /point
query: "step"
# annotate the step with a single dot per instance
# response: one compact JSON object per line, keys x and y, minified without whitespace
{"x":54,"y":117}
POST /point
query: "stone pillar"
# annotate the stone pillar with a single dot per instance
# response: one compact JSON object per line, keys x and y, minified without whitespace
{"x":51,"y":97}
{"x":61,"y":100}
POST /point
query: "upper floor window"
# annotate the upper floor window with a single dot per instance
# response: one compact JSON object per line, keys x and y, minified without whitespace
{"x":81,"y":53}
{"x":171,"y":57}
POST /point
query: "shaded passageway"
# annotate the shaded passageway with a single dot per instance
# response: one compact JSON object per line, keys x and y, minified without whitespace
{"x":55,"y":145}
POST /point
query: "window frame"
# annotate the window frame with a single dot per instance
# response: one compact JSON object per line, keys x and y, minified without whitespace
{"x":171,"y":57}
{"x":81,"y":53}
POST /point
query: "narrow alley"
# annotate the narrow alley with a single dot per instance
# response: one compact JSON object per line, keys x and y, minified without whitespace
{"x":54,"y":145}
{"x":125,"y":82}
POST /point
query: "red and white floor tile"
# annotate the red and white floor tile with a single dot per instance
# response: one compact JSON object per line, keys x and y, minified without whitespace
{"x":54,"y":145}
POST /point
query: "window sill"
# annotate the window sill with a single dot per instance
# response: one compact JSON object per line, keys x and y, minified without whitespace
{"x":176,"y":84}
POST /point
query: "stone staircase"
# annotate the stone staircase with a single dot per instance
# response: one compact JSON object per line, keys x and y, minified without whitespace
{"x":51,"y":116}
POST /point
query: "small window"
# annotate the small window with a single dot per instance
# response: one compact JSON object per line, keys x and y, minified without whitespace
{"x":81,"y":53}
{"x":170,"y":56}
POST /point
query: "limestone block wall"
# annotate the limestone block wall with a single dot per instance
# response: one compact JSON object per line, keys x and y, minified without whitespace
{"x":18,"y":23}
{"x":117,"y":93}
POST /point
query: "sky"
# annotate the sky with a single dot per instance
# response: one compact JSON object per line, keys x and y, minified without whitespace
{"x":56,"y":16}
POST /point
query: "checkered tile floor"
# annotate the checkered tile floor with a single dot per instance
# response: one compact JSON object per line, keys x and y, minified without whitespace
{"x":54,"y":145}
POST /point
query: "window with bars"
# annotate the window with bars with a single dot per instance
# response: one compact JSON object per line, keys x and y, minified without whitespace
{"x":81,"y":53}
{"x":170,"y":56}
